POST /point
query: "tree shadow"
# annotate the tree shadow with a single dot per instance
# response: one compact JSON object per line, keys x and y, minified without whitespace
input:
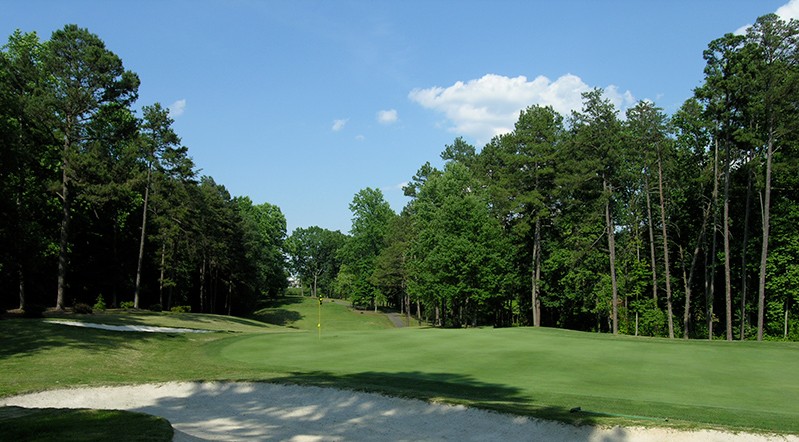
{"x":307,"y":407}
{"x":277,"y":316}
{"x":27,"y":337}
{"x":281,"y":302}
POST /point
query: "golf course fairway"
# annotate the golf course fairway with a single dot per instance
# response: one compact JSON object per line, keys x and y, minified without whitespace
{"x":547,"y":373}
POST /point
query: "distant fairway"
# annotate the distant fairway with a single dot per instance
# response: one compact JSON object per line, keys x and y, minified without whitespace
{"x":546,"y":372}
{"x":303,"y":313}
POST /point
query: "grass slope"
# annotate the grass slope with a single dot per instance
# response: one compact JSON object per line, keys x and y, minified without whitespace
{"x":546,"y":372}
{"x":541,"y":372}
{"x":303,"y":314}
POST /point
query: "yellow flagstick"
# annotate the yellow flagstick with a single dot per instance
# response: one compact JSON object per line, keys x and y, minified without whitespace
{"x":319,"y":324}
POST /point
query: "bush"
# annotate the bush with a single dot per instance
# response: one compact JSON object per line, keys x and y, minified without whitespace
{"x":126,"y":305}
{"x":33,"y":311}
{"x":100,"y":304}
{"x":181,"y":309}
{"x":82,"y":309}
{"x":156,"y":308}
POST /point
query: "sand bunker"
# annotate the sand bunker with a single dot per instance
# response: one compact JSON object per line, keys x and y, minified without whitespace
{"x":129,"y":328}
{"x":269,"y":412}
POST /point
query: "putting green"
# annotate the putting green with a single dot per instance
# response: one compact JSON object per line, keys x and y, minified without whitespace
{"x":546,"y":372}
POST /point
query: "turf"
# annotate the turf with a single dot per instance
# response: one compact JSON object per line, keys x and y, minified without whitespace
{"x":304,"y":314}
{"x":24,"y":424}
{"x":539,"y":372}
{"x":547,"y":372}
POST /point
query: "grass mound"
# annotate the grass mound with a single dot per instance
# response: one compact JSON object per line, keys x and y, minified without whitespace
{"x":68,"y":425}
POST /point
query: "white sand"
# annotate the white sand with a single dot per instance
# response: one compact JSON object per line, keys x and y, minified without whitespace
{"x":261,"y":412}
{"x":128,"y":328}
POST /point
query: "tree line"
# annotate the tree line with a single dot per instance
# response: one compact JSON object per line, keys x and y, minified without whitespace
{"x":642,"y":223}
{"x":99,"y":200}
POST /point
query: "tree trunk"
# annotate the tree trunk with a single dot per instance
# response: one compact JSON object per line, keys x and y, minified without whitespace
{"x":202,"y":287}
{"x":785,"y":321}
{"x":19,"y":250}
{"x":229,"y":297}
{"x":536,"y":274}
{"x":761,"y":300}
{"x":712,"y":269}
{"x":161,"y":277}
{"x":612,"y":247}
{"x":651,"y":242}
{"x":136,"y":291}
{"x":689,"y":280}
{"x":726,"y":221}
{"x":63,"y":245}
{"x":665,"y":246}
{"x":744,"y":273}
{"x":21,"y":276}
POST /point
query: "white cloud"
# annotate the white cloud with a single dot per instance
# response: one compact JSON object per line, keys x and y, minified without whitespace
{"x":339,"y":124}
{"x":359,"y":137}
{"x":395,"y":187}
{"x":490,"y":105}
{"x":789,"y":10}
{"x":177,"y":108}
{"x":387,"y":116}
{"x":786,"y":12}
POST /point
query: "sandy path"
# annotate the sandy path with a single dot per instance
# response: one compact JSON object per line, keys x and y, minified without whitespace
{"x":261,"y":412}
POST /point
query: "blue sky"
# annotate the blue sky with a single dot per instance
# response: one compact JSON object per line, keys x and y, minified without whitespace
{"x":303,"y":103}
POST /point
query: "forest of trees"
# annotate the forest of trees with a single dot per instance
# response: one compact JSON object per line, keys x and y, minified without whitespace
{"x":96,"y":200}
{"x":642,"y":223}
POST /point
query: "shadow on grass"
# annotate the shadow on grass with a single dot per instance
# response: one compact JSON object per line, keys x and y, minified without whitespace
{"x":20,"y":424}
{"x":282,"y":302}
{"x":27,"y":337}
{"x":277,"y":316}
{"x":271,"y":311}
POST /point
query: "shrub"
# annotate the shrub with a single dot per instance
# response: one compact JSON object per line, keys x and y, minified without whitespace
{"x":156,"y":308}
{"x":100,"y":304}
{"x":181,"y":309}
{"x":33,"y":311}
{"x":126,"y":305}
{"x":82,"y":309}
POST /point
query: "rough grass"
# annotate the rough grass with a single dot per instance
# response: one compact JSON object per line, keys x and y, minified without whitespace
{"x":540,"y":372}
{"x":52,"y":424}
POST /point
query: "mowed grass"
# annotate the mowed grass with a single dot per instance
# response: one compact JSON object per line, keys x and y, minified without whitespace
{"x":538,"y":372}
{"x":303,"y":313}
{"x":547,"y":372}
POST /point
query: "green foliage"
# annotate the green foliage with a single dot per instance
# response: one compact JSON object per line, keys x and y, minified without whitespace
{"x":314,"y":257}
{"x":126,"y":305}
{"x":100,"y":304}
{"x":371,"y":216}
{"x":180,"y":309}
{"x":458,"y":257}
